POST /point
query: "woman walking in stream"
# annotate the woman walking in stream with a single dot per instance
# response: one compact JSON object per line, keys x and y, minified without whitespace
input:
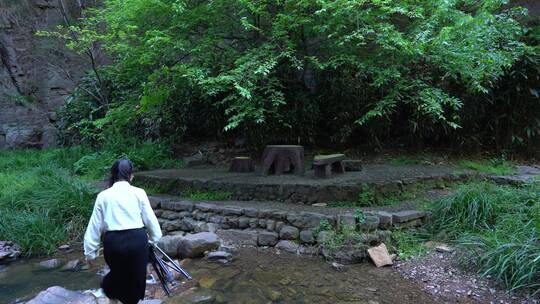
{"x":121,"y":214}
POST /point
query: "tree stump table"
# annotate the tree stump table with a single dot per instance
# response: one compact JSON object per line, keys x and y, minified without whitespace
{"x":283,"y":158}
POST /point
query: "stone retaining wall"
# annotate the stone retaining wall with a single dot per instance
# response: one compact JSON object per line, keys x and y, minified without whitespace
{"x":266,"y":227}
{"x":296,"y":193}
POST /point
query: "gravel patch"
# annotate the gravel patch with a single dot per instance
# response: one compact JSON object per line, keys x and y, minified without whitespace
{"x":440,"y":275}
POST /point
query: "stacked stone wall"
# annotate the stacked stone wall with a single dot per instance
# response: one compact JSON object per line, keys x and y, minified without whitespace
{"x":267,"y":227}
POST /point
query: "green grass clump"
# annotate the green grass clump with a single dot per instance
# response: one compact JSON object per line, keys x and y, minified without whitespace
{"x":510,"y":253}
{"x":207,"y":195}
{"x":493,"y":166}
{"x":46,"y":196}
{"x":369,"y":198}
{"x":405,"y":161}
{"x":338,"y":238}
{"x":479,"y":206}
{"x":42,"y":207}
{"x":409,"y":243}
{"x":499,"y":229}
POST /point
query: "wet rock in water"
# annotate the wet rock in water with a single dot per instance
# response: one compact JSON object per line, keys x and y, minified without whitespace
{"x":73,"y":265}
{"x":194,"y":245}
{"x":219,"y":255}
{"x":64,"y":247}
{"x":338,"y":267}
{"x":200,"y":298}
{"x":57,"y":294}
{"x":273,"y":295}
{"x":380,"y":256}
{"x":288,"y":246}
{"x":50,"y":264}
{"x":153,"y":301}
{"x":207,"y":282}
{"x":9,"y":252}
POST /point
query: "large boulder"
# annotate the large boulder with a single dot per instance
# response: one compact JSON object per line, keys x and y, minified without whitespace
{"x":57,"y":294}
{"x":51,"y":264}
{"x":194,"y":245}
{"x":169,"y":244}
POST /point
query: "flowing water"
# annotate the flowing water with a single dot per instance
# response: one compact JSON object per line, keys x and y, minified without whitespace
{"x":24,"y":279}
{"x":254,"y":276}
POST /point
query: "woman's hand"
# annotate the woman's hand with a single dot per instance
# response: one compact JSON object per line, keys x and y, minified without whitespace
{"x":90,"y":264}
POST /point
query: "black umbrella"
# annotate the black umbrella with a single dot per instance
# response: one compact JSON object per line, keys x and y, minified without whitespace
{"x":163,"y":265}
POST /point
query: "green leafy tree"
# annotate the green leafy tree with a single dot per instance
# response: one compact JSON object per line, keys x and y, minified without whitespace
{"x":305,"y":68}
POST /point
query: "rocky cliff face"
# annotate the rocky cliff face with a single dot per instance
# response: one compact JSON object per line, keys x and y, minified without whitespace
{"x":36,"y":73}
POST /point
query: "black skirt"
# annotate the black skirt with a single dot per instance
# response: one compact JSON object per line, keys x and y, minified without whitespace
{"x":126,"y":253}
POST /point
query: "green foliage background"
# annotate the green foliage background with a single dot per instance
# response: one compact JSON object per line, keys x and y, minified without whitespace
{"x":320,"y":72}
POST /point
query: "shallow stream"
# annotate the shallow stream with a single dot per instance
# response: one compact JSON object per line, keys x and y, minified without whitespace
{"x":254,"y":276}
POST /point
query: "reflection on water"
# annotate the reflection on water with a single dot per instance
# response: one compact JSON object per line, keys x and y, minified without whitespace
{"x":260,"y":277}
{"x":23,"y":279}
{"x":253,"y":277}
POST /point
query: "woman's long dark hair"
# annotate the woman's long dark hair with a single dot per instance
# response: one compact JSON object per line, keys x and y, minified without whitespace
{"x":121,"y":170}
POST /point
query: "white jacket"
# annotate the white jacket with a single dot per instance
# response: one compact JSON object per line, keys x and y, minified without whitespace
{"x":120,"y":207}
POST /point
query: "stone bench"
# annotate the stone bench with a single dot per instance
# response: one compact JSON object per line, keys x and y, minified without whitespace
{"x":325,"y":165}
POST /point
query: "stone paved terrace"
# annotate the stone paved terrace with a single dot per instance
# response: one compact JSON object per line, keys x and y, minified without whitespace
{"x":381,"y":178}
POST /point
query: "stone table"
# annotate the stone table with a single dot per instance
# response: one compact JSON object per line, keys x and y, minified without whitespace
{"x":282,"y":158}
